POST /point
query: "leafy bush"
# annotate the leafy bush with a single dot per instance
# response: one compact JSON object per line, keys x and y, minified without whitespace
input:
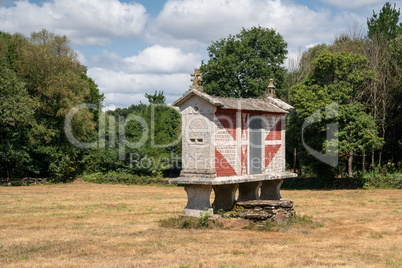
{"x":203,"y":221}
{"x":114,"y":177}
{"x":380,"y":177}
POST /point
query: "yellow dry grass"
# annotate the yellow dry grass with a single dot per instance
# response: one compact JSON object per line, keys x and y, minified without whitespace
{"x":90,"y":225}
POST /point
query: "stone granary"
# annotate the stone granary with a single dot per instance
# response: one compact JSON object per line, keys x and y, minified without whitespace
{"x":231,"y":144}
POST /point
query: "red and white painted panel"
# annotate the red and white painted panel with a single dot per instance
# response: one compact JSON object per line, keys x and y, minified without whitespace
{"x":274,"y":140}
{"x":226,"y":155}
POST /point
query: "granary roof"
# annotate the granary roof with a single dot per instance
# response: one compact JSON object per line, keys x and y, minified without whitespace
{"x":269,"y":104}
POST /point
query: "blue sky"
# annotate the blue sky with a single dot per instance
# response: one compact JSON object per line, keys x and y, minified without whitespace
{"x":136,"y":47}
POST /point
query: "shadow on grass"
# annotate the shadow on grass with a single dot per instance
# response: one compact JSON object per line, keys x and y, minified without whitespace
{"x":295,"y":222}
{"x":314,"y":183}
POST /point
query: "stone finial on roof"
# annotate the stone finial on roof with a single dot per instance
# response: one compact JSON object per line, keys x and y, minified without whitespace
{"x":271,"y":89}
{"x":196,"y":79}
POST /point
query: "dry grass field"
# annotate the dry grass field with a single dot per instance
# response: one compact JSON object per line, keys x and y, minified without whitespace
{"x":90,"y":225}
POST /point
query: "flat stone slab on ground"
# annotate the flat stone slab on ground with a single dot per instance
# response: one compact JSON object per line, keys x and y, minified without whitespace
{"x":265,"y":210}
{"x":266,"y":203}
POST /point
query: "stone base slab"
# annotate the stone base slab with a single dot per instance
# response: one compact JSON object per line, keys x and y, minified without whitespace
{"x":265,"y":210}
{"x":205,"y":180}
{"x":198,"y":212}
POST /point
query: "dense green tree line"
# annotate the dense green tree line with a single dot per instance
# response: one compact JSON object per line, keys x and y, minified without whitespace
{"x":378,"y":94}
{"x":156,"y":129}
{"x":41,"y":80}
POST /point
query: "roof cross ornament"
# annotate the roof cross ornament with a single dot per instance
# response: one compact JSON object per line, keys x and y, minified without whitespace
{"x":197,"y":77}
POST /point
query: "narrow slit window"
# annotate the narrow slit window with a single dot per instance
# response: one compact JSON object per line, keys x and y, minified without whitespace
{"x":192,"y":140}
{"x":199,"y":140}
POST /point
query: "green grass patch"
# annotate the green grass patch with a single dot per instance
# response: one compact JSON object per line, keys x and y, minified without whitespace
{"x":203,"y":222}
{"x":113,"y":177}
{"x":377,"y":235}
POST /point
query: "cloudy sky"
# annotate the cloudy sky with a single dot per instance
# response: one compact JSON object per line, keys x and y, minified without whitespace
{"x":137,"y":47}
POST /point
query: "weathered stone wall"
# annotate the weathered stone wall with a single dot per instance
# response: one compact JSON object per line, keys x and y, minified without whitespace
{"x":263,"y":210}
{"x":198,"y":134}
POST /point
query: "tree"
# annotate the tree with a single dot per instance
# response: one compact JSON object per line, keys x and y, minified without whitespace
{"x":336,"y":77}
{"x":16,"y":117}
{"x":393,"y":145}
{"x":299,"y":67}
{"x":383,"y":29}
{"x":43,"y":73}
{"x":157,"y":98}
{"x":241,"y":65}
{"x":385,"y":24}
{"x":163,"y":123}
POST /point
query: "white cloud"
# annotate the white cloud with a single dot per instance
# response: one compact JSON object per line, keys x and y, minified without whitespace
{"x":123,"y":89}
{"x":162,"y":59}
{"x":112,"y":81}
{"x":114,"y":100}
{"x":125,"y":80}
{"x":191,"y":22}
{"x":204,"y":19}
{"x":153,"y":59}
{"x":85,"y":22}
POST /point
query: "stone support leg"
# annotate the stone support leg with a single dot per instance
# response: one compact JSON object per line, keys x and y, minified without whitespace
{"x":248,"y":191}
{"x":270,"y":190}
{"x":225,"y":196}
{"x":198,"y":200}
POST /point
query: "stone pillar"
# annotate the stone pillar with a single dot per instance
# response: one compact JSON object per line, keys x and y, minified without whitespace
{"x":198,"y":200}
{"x":270,"y":190}
{"x":225,"y":196}
{"x":248,"y":191}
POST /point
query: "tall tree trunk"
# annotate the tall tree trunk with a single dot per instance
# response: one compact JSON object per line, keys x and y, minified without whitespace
{"x":384,"y":112}
{"x":299,"y":167}
{"x":350,"y":163}
{"x":8,"y":171}
{"x":379,"y":158}
{"x":343,"y":170}
{"x":372,"y":159}
{"x":364,"y":162}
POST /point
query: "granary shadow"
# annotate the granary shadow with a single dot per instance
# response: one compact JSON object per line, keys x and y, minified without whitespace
{"x":316,"y":183}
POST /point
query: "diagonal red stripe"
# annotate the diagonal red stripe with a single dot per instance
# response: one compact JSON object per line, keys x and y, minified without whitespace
{"x":270,"y":152}
{"x":276,"y":132}
{"x":222,"y":166}
{"x":228,"y":121}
